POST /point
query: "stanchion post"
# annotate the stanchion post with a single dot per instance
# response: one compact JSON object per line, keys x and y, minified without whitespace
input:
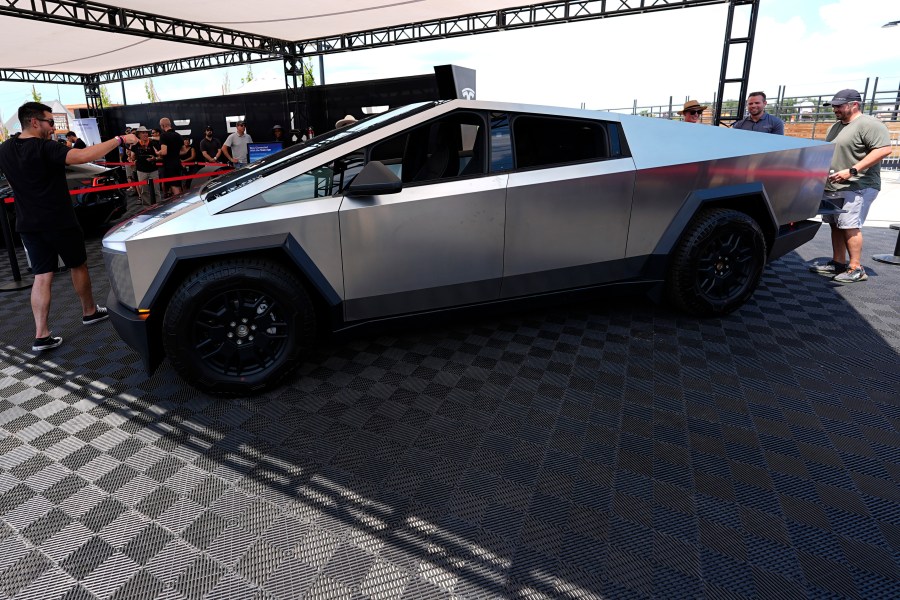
{"x":18,"y":283}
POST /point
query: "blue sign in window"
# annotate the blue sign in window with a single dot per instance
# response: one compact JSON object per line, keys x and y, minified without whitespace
{"x":258,"y":151}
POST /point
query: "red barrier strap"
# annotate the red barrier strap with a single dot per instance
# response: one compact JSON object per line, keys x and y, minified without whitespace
{"x":119,"y":186}
{"x":187,"y":164}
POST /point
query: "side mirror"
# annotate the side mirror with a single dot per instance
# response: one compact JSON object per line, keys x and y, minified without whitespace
{"x":374,"y":179}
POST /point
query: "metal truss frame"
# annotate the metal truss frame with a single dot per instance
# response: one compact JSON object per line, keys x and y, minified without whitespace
{"x":548,"y":13}
{"x":40,"y":77}
{"x":246,"y":48}
{"x":733,"y":41}
{"x":186,"y":65}
{"x":101,"y":17}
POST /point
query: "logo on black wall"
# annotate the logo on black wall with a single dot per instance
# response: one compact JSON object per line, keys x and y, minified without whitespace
{"x":468,"y":93}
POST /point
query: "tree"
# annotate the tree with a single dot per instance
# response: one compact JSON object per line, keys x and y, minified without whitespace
{"x":104,"y":96}
{"x":152,"y":96}
{"x":35,"y":95}
{"x":226,"y":84}
{"x":249,"y":76}
{"x":308,"y":79}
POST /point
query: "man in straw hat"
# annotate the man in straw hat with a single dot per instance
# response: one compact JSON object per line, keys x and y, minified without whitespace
{"x":347,"y":120}
{"x":692,"y":111}
{"x":144,"y":154}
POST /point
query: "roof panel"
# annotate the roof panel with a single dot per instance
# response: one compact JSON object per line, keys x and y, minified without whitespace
{"x":59,"y":48}
{"x":293,"y":21}
{"x":241,"y":28}
{"x":62,"y":49}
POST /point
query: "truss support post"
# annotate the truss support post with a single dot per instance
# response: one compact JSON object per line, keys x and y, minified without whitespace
{"x":733,"y":41}
{"x":296,"y":93}
{"x":94,"y":101}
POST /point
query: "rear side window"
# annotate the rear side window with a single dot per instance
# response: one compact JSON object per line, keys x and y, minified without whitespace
{"x":547,"y":141}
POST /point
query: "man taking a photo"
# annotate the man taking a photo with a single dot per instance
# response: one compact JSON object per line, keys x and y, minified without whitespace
{"x":35,"y":167}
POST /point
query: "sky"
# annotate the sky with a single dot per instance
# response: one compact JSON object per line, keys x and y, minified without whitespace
{"x":810,"y":47}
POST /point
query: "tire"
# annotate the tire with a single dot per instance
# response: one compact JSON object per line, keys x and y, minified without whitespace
{"x":717,"y":264}
{"x":238,"y":326}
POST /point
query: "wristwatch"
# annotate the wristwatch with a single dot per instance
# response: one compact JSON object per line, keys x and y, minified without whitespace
{"x":853,"y":172}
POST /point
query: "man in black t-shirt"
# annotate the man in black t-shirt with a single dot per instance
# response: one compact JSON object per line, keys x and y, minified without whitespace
{"x":170,"y":145}
{"x":73,"y":141}
{"x":210,"y":146}
{"x":35,"y":167}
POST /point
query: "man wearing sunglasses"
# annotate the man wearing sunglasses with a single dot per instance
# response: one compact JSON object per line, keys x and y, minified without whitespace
{"x":35,"y":167}
{"x":692,"y":111}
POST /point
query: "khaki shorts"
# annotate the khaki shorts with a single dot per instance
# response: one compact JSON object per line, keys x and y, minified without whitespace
{"x":857,"y":204}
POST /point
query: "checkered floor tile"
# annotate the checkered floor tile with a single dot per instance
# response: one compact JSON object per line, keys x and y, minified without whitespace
{"x":605,"y":450}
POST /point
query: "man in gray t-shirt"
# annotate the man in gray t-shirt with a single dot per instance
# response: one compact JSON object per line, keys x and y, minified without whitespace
{"x":236,"y":145}
{"x":757,"y":118}
{"x":861,"y":142}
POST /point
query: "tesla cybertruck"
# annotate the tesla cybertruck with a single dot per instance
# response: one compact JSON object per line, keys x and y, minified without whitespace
{"x":451,"y":204}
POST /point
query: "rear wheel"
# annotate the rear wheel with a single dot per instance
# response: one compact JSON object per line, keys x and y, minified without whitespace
{"x":718,"y":263}
{"x":238,"y":326}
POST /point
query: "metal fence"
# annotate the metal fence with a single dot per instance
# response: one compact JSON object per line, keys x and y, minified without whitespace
{"x":884,"y":105}
{"x":804,"y":116}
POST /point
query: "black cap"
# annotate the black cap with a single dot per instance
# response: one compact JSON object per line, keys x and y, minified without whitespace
{"x":239,"y":123}
{"x":208,"y":128}
{"x":843,"y":97}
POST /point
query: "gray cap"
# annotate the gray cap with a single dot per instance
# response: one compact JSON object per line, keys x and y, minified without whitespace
{"x":843,"y":97}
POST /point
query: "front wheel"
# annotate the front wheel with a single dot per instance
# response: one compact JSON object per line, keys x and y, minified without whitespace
{"x":238,"y":326}
{"x":717,"y":264}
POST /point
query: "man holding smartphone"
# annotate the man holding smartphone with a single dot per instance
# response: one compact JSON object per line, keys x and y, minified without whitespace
{"x":35,"y":167}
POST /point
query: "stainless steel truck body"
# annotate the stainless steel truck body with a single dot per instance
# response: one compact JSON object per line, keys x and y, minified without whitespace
{"x":452,"y":204}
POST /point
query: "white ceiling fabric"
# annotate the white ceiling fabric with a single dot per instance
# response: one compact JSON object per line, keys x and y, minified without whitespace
{"x":40,"y":46}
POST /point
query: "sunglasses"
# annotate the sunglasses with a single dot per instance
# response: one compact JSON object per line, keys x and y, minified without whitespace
{"x":48,"y":121}
{"x":693,"y":112}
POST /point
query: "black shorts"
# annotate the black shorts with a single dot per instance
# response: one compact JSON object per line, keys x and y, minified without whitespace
{"x":175,"y":172}
{"x":44,"y":246}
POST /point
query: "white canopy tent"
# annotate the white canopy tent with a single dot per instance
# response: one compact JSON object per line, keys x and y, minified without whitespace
{"x":44,"y":45}
{"x":92,"y":43}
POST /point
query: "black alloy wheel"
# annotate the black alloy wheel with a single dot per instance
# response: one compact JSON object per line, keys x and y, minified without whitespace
{"x":717,"y":264}
{"x":238,"y":326}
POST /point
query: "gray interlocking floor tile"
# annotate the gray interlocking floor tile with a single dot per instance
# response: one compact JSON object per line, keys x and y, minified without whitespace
{"x":611,"y":449}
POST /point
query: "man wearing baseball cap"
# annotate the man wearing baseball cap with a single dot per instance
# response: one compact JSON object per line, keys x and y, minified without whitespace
{"x":861,"y":142}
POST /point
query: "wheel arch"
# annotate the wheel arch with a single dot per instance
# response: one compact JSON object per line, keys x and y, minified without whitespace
{"x":749,"y":198}
{"x":281,"y":248}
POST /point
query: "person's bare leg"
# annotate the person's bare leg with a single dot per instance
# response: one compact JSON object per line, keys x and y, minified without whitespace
{"x":838,"y":245}
{"x":81,"y":281}
{"x":40,"y":303}
{"x":854,"y":244}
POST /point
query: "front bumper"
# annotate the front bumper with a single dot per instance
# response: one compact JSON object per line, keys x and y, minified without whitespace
{"x":137,"y":333}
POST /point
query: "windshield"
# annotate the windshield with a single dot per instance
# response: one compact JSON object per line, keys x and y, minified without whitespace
{"x":238,"y":178}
